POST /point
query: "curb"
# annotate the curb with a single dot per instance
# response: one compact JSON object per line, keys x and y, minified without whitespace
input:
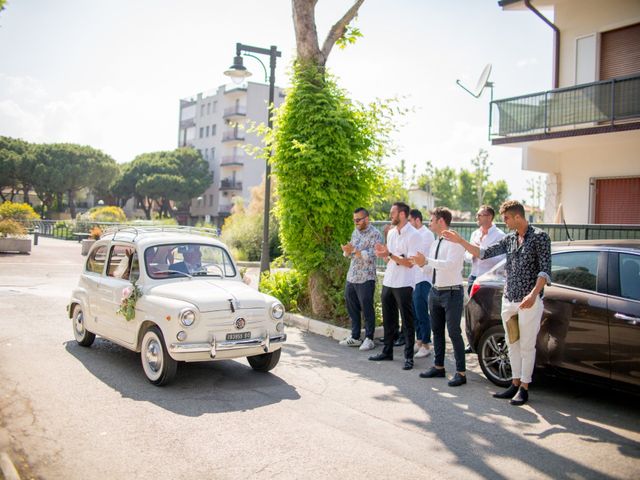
{"x":8,"y":470}
{"x":318,"y":327}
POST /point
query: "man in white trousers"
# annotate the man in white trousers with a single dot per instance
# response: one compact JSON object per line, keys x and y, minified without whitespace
{"x":528,"y":251}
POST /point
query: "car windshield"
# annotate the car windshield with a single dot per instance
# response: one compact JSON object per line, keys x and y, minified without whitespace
{"x":188,"y":260}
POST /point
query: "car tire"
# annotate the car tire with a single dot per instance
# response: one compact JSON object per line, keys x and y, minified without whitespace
{"x":493,"y":356}
{"x":157,"y":364}
{"x":265,"y":362}
{"x":83,"y":337}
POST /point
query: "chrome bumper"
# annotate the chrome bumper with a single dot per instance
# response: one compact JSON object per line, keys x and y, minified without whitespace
{"x":214,"y":347}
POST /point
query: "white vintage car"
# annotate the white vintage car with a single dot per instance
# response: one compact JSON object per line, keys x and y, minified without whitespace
{"x":173,"y":296}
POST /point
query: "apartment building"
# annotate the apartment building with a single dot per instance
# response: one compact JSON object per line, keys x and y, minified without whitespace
{"x":585,"y":132}
{"x":215,"y":123}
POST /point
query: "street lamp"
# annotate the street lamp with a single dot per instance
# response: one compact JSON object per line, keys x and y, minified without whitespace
{"x":238,"y":73}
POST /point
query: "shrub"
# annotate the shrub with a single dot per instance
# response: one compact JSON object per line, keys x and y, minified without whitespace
{"x":288,"y":286}
{"x":327,"y":160}
{"x":164,"y":221}
{"x":17,"y":211}
{"x":95,"y":233}
{"x":107,"y":214}
{"x":11,"y":228}
{"x":243,"y":234}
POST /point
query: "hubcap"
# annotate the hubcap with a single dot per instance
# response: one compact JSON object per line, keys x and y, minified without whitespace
{"x":153,"y":355}
{"x":79,"y":324}
{"x":496,"y":357}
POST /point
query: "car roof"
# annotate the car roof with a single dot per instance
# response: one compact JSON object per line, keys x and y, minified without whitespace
{"x":597,"y":245}
{"x":148,"y":236}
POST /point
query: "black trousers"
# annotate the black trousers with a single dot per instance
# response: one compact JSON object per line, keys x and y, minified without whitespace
{"x":394,"y":300}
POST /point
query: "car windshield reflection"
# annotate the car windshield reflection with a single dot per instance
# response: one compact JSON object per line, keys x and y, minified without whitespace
{"x":190,"y":260}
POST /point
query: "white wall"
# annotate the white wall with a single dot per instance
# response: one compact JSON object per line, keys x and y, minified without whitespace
{"x":580,"y":18}
{"x":598,"y":156}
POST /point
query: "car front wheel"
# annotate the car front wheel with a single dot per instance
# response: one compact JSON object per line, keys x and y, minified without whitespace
{"x":157,"y":364}
{"x":83,"y":336}
{"x":264,"y":362}
{"x":493,"y":356}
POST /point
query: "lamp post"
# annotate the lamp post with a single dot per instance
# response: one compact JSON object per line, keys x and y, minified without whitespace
{"x":238,"y":73}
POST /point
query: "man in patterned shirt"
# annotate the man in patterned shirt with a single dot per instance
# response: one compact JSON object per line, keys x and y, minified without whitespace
{"x":528,"y":268}
{"x":361,"y":280}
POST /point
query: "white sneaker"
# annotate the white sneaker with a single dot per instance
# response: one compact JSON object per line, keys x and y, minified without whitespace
{"x":416,"y":347}
{"x":423,"y":352}
{"x":350,"y":342}
{"x":367,"y":345}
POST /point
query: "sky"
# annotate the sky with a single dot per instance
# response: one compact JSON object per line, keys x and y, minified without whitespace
{"x":110,"y":74}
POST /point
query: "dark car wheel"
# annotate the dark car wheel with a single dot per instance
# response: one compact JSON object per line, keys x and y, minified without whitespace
{"x":264,"y":362}
{"x":493,"y":356}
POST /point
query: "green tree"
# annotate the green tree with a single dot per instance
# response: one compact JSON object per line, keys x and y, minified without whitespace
{"x":443,"y":183}
{"x":10,"y":154}
{"x":389,"y":191}
{"x":481,"y":166}
{"x":161,"y":178}
{"x":327,"y":162}
{"x":73,"y":168}
{"x":16,"y":167}
{"x":466,"y":194}
{"x":48,"y":178}
{"x":496,"y":193}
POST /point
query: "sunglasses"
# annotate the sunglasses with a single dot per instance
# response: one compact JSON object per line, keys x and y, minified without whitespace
{"x":358,"y":220}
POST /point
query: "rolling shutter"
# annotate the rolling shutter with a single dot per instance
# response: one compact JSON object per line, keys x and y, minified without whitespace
{"x":618,"y":201}
{"x":620,"y":52}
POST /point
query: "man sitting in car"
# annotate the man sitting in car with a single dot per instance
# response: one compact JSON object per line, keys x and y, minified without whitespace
{"x":191,"y":260}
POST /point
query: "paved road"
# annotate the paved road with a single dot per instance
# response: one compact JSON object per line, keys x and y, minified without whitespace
{"x":325,"y":412}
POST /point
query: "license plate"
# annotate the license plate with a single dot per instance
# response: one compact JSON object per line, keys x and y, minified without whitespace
{"x":238,"y":336}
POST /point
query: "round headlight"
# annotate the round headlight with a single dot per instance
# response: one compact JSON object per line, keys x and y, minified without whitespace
{"x":187,"y":317}
{"x":277,"y":311}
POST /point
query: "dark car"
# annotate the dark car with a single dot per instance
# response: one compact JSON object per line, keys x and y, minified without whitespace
{"x":590,"y":327}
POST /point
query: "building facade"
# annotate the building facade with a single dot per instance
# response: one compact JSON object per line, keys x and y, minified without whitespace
{"x":216,"y":123}
{"x":585,"y":133}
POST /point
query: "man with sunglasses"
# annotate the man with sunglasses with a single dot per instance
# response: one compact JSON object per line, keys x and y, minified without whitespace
{"x":487,"y":234}
{"x":361,"y":280}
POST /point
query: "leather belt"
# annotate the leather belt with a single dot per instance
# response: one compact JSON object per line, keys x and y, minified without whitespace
{"x":452,"y":287}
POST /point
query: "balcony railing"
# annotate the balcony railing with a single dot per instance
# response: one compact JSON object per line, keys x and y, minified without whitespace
{"x":233,"y":135}
{"x":235,"y":111}
{"x":230,"y":184}
{"x":580,"y":106}
{"x":232,"y":161}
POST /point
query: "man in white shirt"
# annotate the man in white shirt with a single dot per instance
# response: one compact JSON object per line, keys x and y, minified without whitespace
{"x":397,"y":285}
{"x":446,"y":298}
{"x":422,"y":289}
{"x":486,"y":235}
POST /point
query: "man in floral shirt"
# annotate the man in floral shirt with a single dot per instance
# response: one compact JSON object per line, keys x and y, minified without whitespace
{"x":361,"y":280}
{"x":528,"y":267}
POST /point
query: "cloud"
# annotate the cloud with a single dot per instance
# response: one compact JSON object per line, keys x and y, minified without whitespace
{"x":526,"y":62}
{"x":121,"y":123}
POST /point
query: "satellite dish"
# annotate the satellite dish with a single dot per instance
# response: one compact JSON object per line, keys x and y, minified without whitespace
{"x":483,"y":82}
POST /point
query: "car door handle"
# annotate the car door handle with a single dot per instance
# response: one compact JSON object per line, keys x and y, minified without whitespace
{"x":628,"y":319}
